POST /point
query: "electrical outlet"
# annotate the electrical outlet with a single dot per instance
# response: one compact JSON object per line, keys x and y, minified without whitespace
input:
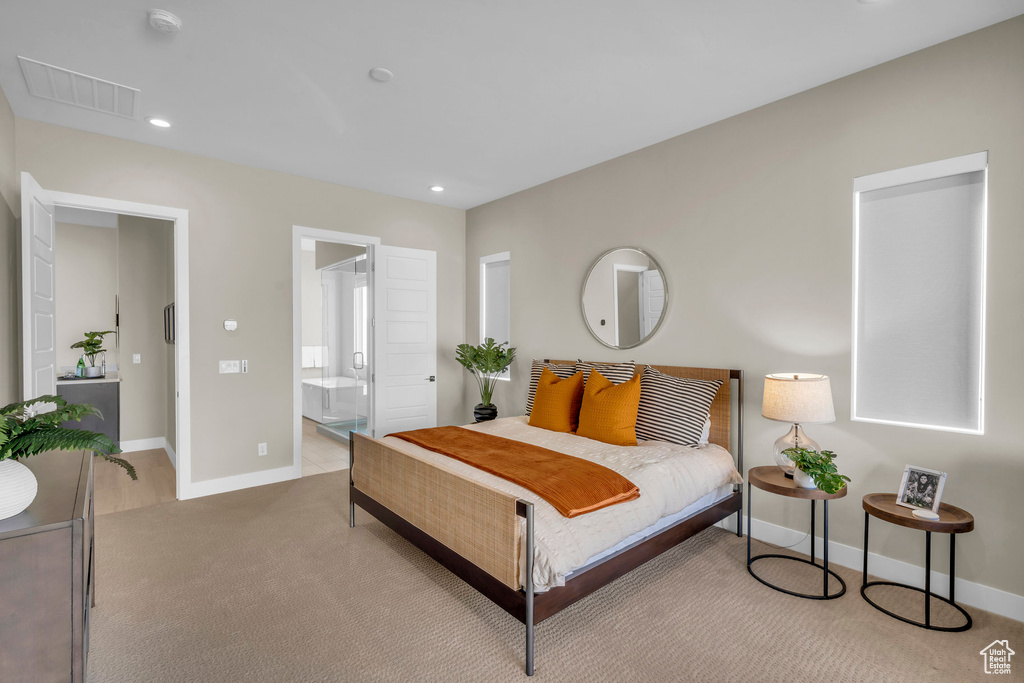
{"x":136,"y":358}
{"x":230,"y":367}
{"x":261,"y":449}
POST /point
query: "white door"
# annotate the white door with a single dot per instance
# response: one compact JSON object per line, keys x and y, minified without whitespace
{"x":652,"y":301}
{"x":38,"y":310}
{"x":404,"y":339}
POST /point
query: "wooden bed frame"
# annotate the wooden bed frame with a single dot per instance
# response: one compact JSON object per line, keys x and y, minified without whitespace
{"x":474,"y":531}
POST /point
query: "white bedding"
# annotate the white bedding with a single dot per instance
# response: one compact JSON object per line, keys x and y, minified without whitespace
{"x":670,"y":478}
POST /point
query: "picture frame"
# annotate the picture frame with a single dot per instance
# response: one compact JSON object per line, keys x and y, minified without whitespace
{"x":921,"y":488}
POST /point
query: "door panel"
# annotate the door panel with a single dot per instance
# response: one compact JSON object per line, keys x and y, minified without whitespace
{"x":39,"y":355}
{"x":405,"y":339}
{"x":652,"y":300}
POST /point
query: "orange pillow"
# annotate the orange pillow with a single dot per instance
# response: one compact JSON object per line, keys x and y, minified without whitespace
{"x":609,"y":410}
{"x":556,"y":405}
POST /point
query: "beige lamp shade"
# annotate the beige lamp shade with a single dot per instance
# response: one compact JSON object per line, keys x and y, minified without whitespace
{"x":798,"y":397}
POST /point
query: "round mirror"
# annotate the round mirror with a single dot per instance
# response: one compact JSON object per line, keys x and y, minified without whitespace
{"x":624,"y":297}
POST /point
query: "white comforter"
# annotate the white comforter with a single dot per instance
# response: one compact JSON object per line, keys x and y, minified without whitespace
{"x":669,"y":477}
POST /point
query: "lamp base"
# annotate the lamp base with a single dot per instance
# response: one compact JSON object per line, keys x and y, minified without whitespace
{"x":794,"y":438}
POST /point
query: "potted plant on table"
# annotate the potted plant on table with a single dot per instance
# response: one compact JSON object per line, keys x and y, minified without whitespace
{"x":32,"y":427}
{"x":813,"y":469}
{"x":92,"y":346}
{"x":485,"y":361}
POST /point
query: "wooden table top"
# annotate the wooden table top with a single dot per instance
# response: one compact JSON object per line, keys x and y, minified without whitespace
{"x":952,"y":520}
{"x":771,"y":478}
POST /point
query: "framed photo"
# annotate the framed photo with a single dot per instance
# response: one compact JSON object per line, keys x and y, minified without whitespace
{"x":921,"y":488}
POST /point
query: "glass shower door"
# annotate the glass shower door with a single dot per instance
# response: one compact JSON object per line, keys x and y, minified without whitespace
{"x":346,"y":351}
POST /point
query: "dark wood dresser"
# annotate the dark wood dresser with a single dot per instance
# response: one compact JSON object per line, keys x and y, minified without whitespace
{"x":46,"y":574}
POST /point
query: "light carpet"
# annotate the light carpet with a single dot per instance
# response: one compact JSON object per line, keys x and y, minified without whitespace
{"x":270,"y":584}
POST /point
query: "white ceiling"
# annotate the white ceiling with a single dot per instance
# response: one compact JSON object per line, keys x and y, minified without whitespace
{"x":488,"y":97}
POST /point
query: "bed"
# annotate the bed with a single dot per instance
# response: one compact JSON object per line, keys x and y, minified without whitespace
{"x":498,"y":537}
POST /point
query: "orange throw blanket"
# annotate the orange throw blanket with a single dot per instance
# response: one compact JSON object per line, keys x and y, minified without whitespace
{"x":574,"y":486}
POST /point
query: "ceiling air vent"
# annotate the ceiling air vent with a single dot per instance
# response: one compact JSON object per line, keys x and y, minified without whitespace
{"x":61,"y":85}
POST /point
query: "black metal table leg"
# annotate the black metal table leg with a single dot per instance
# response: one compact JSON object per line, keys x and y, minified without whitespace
{"x":824,"y":567}
{"x":824,"y":552}
{"x":927,"y":579}
{"x":864,"y":581}
{"x":952,"y":567}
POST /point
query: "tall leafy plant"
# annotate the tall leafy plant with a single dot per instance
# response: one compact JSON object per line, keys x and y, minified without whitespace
{"x":92,"y":345}
{"x":32,"y":427}
{"x":486,"y":361}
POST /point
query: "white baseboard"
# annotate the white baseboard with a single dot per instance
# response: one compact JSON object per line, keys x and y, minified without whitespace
{"x":171,"y":455}
{"x":143,"y":444}
{"x":198,"y":489}
{"x":886,"y":568}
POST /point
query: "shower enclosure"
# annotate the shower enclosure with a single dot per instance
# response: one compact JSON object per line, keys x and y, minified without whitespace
{"x":346,"y":362}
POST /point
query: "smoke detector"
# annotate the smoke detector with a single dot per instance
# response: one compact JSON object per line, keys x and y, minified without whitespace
{"x":164,"y":21}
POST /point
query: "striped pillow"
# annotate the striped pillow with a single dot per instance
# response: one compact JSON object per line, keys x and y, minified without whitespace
{"x":616,"y":372}
{"x":674,"y":409}
{"x":562,"y":371}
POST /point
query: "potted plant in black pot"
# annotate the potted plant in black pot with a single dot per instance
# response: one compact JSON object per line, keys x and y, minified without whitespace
{"x":92,"y":346}
{"x":486,"y":361}
{"x":32,"y":427}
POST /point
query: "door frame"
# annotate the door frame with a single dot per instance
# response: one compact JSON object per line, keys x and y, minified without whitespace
{"x":320,"y":235}
{"x":182,"y":364}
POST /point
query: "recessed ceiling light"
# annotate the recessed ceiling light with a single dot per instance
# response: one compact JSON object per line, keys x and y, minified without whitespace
{"x":868,"y":2}
{"x":436,"y":188}
{"x":381,"y":75}
{"x":159,"y":123}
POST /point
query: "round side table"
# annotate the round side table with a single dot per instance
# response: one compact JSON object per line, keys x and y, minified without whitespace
{"x":772,"y":479}
{"x":952,"y":520}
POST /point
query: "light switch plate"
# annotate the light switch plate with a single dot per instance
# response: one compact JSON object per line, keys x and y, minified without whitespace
{"x":230,"y":367}
{"x":136,"y":358}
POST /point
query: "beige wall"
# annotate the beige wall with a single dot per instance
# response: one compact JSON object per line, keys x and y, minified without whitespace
{"x":143,"y":263}
{"x":85,"y":285}
{"x":10,"y":367}
{"x":752,"y":220}
{"x":241,"y":222}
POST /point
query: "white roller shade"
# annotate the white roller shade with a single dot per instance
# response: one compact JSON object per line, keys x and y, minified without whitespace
{"x":919,"y":296}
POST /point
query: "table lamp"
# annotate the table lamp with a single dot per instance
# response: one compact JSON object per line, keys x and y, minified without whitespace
{"x":799,"y":398}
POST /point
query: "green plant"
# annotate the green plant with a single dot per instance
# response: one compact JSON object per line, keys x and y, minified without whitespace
{"x":486,"y":362}
{"x":92,"y":345}
{"x":819,"y":467}
{"x":32,"y":427}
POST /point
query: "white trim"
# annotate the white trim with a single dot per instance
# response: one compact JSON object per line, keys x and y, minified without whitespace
{"x":149,"y":444}
{"x":969,"y":163}
{"x":886,"y":568}
{"x":171,"y":455}
{"x":244,"y":481}
{"x":298,"y":234}
{"x":484,"y":260}
{"x":182,"y":365}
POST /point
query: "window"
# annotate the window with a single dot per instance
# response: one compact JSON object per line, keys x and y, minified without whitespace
{"x":919,"y":295}
{"x":496,"y":297}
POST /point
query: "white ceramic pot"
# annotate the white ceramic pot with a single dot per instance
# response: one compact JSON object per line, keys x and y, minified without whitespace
{"x":17,"y":488}
{"x":93,"y":371}
{"x":803,"y":480}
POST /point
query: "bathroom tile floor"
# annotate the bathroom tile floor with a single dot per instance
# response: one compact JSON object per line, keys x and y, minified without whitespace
{"x":320,"y":453}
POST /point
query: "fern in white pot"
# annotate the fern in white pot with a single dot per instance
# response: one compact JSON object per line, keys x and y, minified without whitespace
{"x":31,"y":427}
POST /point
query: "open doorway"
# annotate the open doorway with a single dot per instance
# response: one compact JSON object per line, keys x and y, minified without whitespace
{"x":334,"y":344}
{"x":40,"y":324}
{"x":335,"y":352}
{"x":114,"y":275}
